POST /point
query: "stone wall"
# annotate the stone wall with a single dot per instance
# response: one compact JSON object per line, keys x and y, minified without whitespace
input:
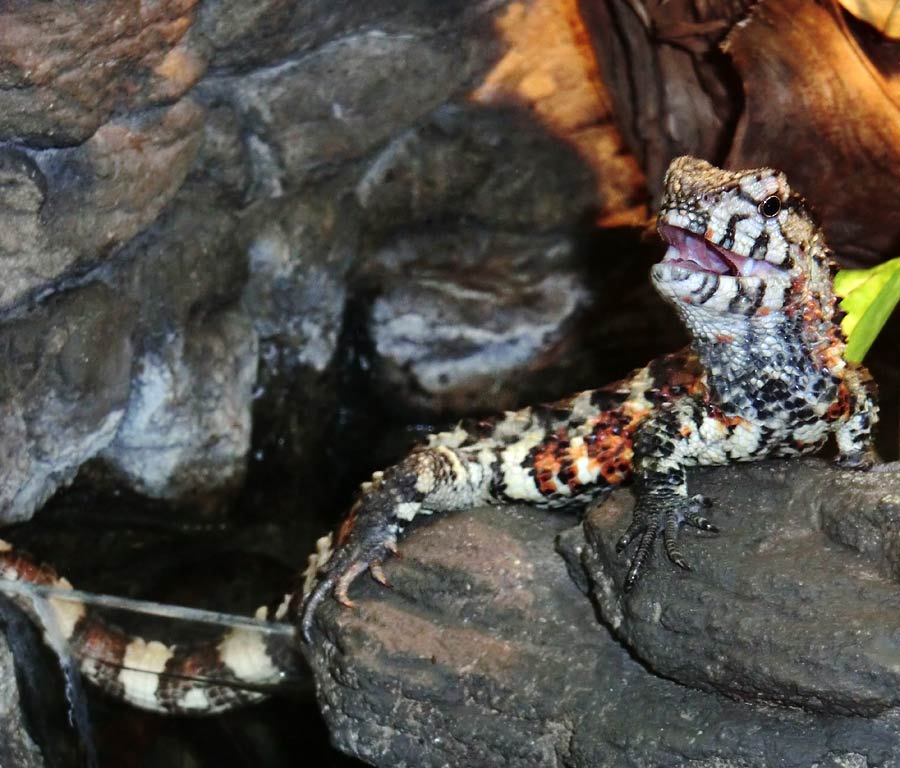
{"x":193,"y":193}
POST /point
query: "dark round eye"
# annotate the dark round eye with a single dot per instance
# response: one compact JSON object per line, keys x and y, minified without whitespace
{"x":770,"y":206}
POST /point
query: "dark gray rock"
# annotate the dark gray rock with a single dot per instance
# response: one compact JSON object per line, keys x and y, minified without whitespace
{"x":66,"y":209}
{"x":485,"y":653}
{"x":467,"y":320}
{"x":64,"y":380}
{"x":773,"y":609}
{"x":496,"y":167}
{"x":245,"y":35}
{"x":335,"y":103}
{"x":300,"y":249}
{"x":16,"y":746}
{"x":198,"y":154}
{"x":187,"y":426}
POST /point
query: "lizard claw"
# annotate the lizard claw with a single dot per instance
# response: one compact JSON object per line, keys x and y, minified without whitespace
{"x":360,"y":552}
{"x":646,"y":527}
{"x":378,"y":573}
{"x":693,"y":517}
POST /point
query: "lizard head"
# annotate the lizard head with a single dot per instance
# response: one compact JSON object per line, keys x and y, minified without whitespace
{"x":740,"y":243}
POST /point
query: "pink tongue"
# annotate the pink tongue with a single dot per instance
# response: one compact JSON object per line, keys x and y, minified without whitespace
{"x":694,"y":250}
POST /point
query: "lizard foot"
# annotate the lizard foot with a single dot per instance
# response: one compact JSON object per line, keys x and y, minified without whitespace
{"x":363,"y":551}
{"x":864,"y":460}
{"x":649,"y":520}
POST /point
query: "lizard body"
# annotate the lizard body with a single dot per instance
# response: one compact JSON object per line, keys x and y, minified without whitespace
{"x":750,"y":275}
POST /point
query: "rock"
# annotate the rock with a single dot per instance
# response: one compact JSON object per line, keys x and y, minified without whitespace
{"x":300,"y":250}
{"x":335,"y":104}
{"x":245,"y":36}
{"x":66,"y":369}
{"x":773,"y":609}
{"x":67,"y":69}
{"x":186,"y":429}
{"x":495,"y":167}
{"x":66,"y":209}
{"x":485,"y":653}
{"x":468,"y":320}
{"x":17,"y":747}
{"x":189,"y":263}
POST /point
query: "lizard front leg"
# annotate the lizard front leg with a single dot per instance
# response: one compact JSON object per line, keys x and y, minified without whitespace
{"x":429,"y":480}
{"x":855,"y":428}
{"x":663,"y":505}
{"x":664,"y":446}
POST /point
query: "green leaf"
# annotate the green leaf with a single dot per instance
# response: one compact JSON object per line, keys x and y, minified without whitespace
{"x":869,"y":296}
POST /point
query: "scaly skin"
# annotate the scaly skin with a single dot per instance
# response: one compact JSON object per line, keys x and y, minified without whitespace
{"x":750,"y":275}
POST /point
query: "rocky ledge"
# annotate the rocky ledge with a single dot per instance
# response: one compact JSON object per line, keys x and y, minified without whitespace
{"x":780,"y":647}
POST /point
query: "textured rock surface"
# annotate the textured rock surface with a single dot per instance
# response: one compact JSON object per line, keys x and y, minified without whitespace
{"x":63,"y":389}
{"x":16,"y":746}
{"x":470,"y":333}
{"x":187,"y":425}
{"x":485,"y":164}
{"x":67,"y":69}
{"x":485,"y":653}
{"x":774,"y":609}
{"x":160,"y":164}
{"x":65,"y":208}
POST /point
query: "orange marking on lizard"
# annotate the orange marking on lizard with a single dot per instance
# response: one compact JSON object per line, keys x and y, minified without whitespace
{"x":840,"y":407}
{"x":348,"y":524}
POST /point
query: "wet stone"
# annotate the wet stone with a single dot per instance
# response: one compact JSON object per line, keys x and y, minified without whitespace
{"x":337,"y":103}
{"x":66,"y":372}
{"x":186,"y":429}
{"x":67,"y":209}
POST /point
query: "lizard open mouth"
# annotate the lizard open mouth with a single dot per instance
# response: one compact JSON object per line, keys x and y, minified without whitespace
{"x":697,"y":254}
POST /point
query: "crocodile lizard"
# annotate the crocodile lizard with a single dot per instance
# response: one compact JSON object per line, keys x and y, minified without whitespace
{"x":749,"y":273}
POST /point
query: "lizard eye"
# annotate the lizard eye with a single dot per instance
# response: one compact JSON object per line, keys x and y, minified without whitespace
{"x":770,"y":206}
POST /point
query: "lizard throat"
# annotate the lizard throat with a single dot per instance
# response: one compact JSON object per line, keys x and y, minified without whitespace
{"x":696,"y":254}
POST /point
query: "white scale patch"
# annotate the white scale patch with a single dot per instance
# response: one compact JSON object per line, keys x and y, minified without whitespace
{"x":585,"y":475}
{"x":582,"y":408}
{"x":68,"y":613}
{"x":244,"y":653}
{"x":519,"y":484}
{"x":425,"y":480}
{"x":725,"y":292}
{"x":141,"y":666}
{"x":194,"y":699}
{"x":407,"y":510}
{"x":323,"y":553}
{"x":452,"y":439}
{"x":812,"y":433}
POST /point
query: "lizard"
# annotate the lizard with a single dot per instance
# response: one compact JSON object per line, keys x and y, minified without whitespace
{"x":748,"y":272}
{"x":750,"y":275}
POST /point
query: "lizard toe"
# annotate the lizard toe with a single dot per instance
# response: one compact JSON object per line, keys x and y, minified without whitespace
{"x":356,"y":555}
{"x":700,"y":522}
